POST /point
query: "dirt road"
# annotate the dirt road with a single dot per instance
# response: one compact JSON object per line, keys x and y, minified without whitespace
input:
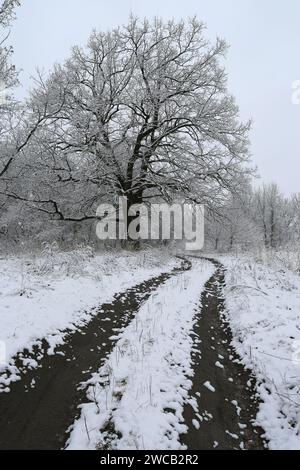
{"x":224,"y":404}
{"x":41,"y":407}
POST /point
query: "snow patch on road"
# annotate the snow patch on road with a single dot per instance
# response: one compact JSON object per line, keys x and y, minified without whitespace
{"x":209,"y":386}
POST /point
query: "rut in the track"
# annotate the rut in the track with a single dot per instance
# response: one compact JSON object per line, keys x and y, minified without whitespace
{"x":220,"y":419}
{"x":41,"y":407}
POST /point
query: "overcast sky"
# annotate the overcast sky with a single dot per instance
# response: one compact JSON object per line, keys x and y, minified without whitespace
{"x":263,"y":60}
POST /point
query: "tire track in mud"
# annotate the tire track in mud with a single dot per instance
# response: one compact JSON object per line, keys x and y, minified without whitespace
{"x":41,"y":407}
{"x":223,"y":404}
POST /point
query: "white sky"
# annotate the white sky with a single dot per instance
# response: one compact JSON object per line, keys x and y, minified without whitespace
{"x":263,"y":61}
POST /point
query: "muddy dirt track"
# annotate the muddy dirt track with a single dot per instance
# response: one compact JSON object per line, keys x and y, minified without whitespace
{"x":225,"y":404}
{"x":37,"y":417}
{"x":40,"y":408}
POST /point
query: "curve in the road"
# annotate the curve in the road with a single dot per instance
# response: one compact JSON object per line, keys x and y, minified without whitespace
{"x":37,"y":416}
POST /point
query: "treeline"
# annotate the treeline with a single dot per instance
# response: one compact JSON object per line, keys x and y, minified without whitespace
{"x":256,"y":217}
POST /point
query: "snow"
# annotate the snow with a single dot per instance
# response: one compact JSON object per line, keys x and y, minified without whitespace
{"x":263,"y":308}
{"x":234,"y":436}
{"x":42,"y":297}
{"x":218,"y":364}
{"x":137,"y":397}
{"x":209,"y":386}
{"x":196,"y":424}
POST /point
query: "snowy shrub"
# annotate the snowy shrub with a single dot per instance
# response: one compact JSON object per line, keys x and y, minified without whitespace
{"x":68,"y":263}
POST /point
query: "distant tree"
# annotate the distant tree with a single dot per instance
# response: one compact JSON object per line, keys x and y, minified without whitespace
{"x":232,"y":227}
{"x":273,"y":214}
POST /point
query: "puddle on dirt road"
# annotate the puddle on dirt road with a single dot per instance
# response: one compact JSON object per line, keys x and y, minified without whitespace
{"x":44,"y":403}
{"x":223,"y":403}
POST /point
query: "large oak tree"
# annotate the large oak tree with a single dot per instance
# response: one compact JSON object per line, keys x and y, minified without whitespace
{"x":145,"y":112}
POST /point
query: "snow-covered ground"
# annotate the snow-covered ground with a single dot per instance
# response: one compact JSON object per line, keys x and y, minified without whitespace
{"x":263,"y":307}
{"x":136,"y":399}
{"x":42,"y":296}
{"x":140,"y":390}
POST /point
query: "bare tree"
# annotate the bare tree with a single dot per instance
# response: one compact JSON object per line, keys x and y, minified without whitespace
{"x":273,"y":214}
{"x":7,"y":11}
{"x":144,"y":112}
{"x":232,"y":227}
{"x":8,"y":74}
{"x":17,"y":125}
